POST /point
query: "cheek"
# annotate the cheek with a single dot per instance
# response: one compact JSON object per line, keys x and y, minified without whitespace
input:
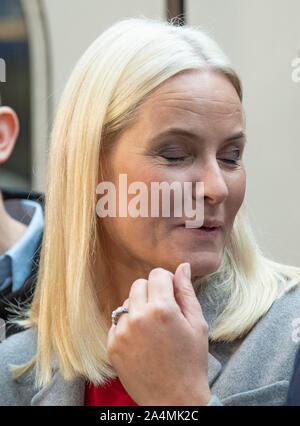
{"x":237,"y":189}
{"x":129,"y":226}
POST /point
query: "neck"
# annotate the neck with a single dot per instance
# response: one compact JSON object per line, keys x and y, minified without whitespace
{"x":10,"y":229}
{"x":116,"y":289}
{"x":117,"y":277}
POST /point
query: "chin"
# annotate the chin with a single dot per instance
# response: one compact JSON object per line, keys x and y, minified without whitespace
{"x":205,"y":263}
{"x":202,"y":262}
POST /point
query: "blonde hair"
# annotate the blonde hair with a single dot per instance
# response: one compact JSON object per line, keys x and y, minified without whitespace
{"x":100,"y":100}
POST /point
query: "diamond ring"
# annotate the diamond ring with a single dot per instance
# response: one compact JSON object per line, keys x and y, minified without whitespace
{"x":115,"y":315}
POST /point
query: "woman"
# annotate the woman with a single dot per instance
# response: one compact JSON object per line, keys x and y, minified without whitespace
{"x":154,"y":103}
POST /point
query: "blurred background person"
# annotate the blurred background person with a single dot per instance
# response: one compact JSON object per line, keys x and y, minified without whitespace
{"x":21,"y":226}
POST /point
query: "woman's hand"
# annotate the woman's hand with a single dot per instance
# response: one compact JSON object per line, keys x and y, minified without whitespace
{"x":160,"y":348}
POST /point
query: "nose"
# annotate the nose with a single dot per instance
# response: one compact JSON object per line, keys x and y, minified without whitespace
{"x":215,"y":185}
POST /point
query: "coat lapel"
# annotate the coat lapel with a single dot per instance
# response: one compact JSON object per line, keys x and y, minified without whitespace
{"x":214,"y":368}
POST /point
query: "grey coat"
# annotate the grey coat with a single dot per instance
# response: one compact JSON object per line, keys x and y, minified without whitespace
{"x":254,"y":370}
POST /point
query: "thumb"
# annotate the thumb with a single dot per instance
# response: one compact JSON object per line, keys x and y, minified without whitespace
{"x":185,"y":294}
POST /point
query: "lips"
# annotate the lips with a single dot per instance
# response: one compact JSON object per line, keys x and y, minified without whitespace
{"x":208,"y":228}
{"x":212,"y":223}
{"x":203,"y":228}
{"x":209,"y":224}
{"x":204,"y":233}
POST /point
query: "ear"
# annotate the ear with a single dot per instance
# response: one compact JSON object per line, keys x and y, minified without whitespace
{"x":9,"y":130}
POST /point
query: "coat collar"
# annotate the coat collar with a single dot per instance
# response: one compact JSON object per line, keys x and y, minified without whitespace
{"x":61,"y":392}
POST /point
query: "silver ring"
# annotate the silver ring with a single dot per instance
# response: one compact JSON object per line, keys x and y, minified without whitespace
{"x":115,"y":315}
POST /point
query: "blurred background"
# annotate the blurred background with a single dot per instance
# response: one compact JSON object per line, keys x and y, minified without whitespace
{"x":41,"y":40}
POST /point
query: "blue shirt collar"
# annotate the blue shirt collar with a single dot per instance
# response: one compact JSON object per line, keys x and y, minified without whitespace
{"x":22,"y":253}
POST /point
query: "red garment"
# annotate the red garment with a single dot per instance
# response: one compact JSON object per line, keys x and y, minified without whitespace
{"x":112,"y":393}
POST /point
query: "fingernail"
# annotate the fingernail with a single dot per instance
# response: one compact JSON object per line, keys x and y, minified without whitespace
{"x":187,"y":270}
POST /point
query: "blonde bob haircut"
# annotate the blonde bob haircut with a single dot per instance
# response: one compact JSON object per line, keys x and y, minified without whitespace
{"x":100,"y":100}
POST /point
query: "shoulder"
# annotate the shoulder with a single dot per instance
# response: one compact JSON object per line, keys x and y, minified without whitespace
{"x":20,"y":347}
{"x":260,"y":365}
{"x":269,"y":348}
{"x":284,"y":315}
{"x":275,"y":334}
{"x":17,"y":350}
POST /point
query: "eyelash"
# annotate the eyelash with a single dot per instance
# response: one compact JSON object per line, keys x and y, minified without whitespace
{"x":173,"y":159}
{"x":233,"y":162}
{"x":179,"y":159}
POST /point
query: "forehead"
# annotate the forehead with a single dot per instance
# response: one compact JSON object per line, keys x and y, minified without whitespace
{"x":195,"y":99}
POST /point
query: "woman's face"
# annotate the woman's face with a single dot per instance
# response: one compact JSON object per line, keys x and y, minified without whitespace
{"x":190,"y":129}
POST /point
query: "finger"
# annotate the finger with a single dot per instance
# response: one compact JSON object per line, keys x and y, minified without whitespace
{"x":160,"y":286}
{"x":111,"y":335}
{"x":185,"y":294}
{"x":124,"y":305}
{"x":138,"y":296}
{"x":113,"y":328}
{"x":124,"y":315}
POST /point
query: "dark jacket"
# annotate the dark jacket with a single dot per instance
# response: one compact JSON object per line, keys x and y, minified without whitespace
{"x":25,"y":293}
{"x":293,"y":397}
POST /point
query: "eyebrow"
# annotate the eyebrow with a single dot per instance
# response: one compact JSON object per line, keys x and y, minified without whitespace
{"x":186,"y":133}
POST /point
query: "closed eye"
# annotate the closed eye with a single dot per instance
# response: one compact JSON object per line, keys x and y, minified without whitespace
{"x":236,"y":156}
{"x":173,"y":159}
{"x":230,"y":161}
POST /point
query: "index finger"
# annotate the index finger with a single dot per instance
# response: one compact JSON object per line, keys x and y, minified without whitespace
{"x":160,"y":286}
